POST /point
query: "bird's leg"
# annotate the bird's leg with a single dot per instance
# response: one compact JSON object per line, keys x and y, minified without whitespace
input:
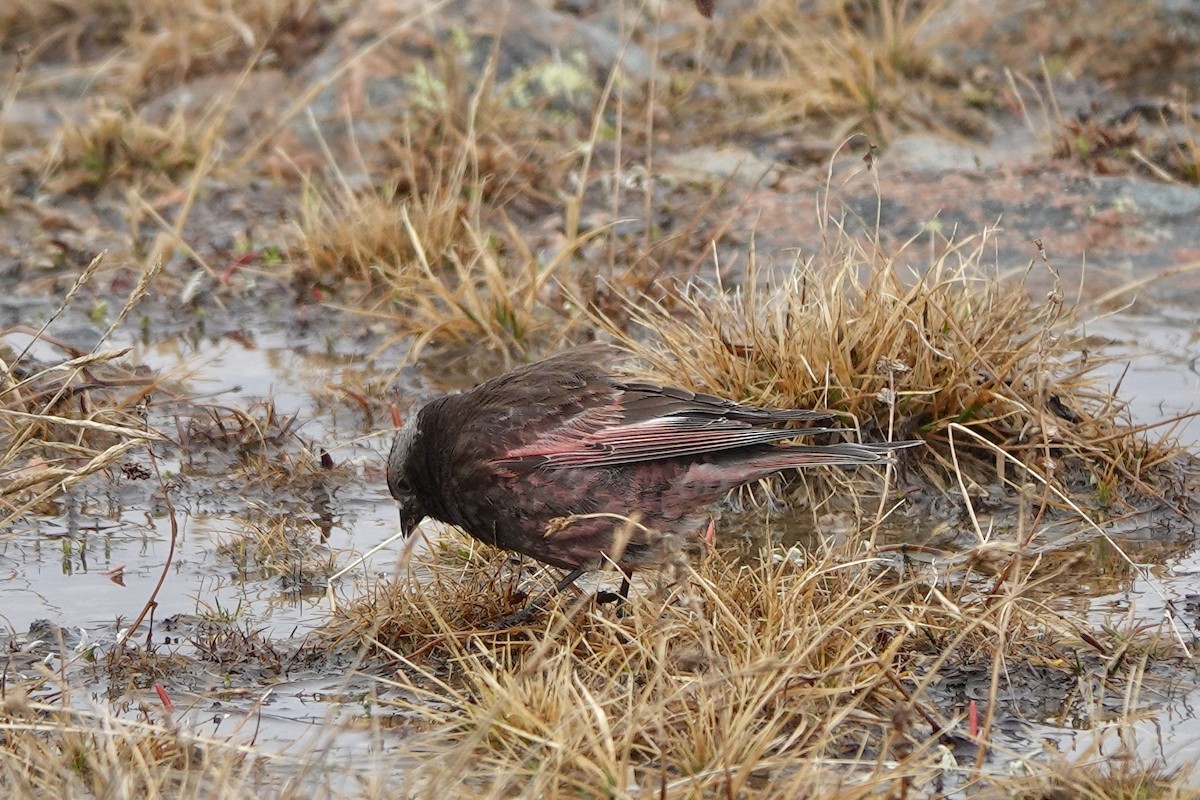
{"x":529,"y":611}
{"x":569,"y":579}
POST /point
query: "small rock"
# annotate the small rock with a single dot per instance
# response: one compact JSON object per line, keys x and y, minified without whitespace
{"x":741,"y":167}
{"x":1158,"y":198}
{"x":924,"y":151}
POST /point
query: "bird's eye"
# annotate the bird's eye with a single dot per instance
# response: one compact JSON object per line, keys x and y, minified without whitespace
{"x":400,"y":487}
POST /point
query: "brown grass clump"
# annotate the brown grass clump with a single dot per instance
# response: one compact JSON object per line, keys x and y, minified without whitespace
{"x":160,"y":43}
{"x":1119,"y":44}
{"x":285,"y":547}
{"x":815,"y":677}
{"x":1002,"y":387}
{"x":461,"y":585}
{"x":127,"y":671}
{"x":50,"y":751}
{"x":1101,"y":777}
{"x":1092,"y":142}
{"x":253,"y":434}
{"x":439,"y":237}
{"x":120,"y":146}
{"x":855,"y":67}
{"x":1181,"y":152}
{"x":479,"y":285}
{"x":1170,"y":145}
{"x":1161,"y":141}
{"x":257,"y":447}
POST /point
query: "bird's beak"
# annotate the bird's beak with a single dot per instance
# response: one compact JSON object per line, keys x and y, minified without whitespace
{"x":410,"y":518}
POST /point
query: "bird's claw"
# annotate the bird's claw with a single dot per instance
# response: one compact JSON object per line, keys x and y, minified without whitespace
{"x":517,"y":618}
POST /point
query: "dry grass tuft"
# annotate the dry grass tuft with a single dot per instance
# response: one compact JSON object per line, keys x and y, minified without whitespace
{"x":1100,"y":777}
{"x":904,"y":353}
{"x":1160,"y":139}
{"x":284,"y":547}
{"x":817,"y":676}
{"x":127,"y":671}
{"x":1181,"y":152}
{"x":1169,"y":148}
{"x":258,"y":449}
{"x":50,"y":751}
{"x":439,"y":237}
{"x":120,"y":146}
{"x":855,"y":67}
{"x":152,"y":44}
{"x":464,"y":587}
{"x":244,"y":431}
{"x":1091,"y":141}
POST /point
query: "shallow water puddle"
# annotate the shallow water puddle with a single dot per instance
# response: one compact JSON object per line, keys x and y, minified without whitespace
{"x":89,"y":569}
{"x":1165,"y":382}
{"x":98,"y":560}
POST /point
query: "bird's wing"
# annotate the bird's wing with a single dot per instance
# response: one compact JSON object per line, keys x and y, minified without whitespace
{"x":648,"y":401}
{"x":645,"y":423}
{"x":665,"y":437}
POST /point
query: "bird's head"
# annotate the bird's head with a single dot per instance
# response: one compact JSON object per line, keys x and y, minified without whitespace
{"x":400,"y":480}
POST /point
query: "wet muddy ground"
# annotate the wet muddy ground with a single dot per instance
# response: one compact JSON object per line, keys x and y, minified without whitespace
{"x":241,"y":619}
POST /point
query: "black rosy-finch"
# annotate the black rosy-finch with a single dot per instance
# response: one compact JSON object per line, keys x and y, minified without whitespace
{"x":554,"y":459}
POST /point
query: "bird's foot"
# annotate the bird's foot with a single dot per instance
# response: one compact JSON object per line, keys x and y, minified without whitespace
{"x":530,"y":611}
{"x":517,"y":618}
{"x":621,"y":597}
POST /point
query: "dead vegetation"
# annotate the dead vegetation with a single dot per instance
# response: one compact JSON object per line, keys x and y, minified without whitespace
{"x":464,"y":586}
{"x":161,"y":43}
{"x":466,"y":150}
{"x":1158,"y":139}
{"x":47,"y":750}
{"x":848,"y":67}
{"x":286,"y":548}
{"x":114,"y":146}
{"x":1101,"y":778}
{"x":823,"y":674}
{"x":448,"y":237}
{"x":440,"y":238}
{"x":64,"y":421}
{"x":1000,"y":385}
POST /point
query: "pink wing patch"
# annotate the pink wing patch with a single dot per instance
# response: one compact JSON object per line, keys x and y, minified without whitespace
{"x":649,"y":440}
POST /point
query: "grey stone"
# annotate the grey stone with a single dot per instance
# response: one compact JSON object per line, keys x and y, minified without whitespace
{"x":1160,"y":198}
{"x":925,"y":151}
